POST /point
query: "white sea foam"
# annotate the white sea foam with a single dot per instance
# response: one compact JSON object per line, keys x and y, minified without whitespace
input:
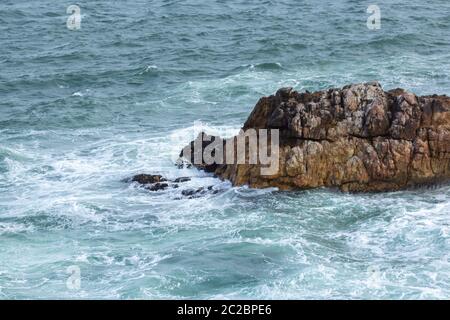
{"x":13,"y":228}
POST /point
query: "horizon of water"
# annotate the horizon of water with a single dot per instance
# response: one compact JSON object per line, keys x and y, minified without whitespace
{"x":80,"y":111}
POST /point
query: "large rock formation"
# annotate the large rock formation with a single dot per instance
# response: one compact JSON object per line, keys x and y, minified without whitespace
{"x":358,"y":138}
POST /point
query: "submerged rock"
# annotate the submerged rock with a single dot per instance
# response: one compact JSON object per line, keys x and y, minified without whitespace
{"x":191,"y":192}
{"x":153,"y":182}
{"x":194,"y":193}
{"x":158,"y":186}
{"x":357,"y":138}
{"x":148,"y":178}
{"x":182,"y":179}
{"x":159,"y":183}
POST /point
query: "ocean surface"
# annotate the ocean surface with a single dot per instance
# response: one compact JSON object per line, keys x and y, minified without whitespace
{"x":82,"y":110}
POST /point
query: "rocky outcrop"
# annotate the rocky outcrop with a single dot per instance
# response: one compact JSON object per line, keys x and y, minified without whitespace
{"x":148,"y":179}
{"x":153,"y":182}
{"x":358,"y":138}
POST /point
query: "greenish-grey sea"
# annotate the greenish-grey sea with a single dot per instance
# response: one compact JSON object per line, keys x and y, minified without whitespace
{"x":82,"y":110}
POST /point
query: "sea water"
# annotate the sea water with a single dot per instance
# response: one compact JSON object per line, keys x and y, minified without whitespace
{"x":82,"y":110}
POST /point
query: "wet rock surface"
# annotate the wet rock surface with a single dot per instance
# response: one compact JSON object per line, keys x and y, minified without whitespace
{"x":357,"y":138}
{"x":158,"y":186}
{"x":160,"y":183}
{"x":148,"y":178}
{"x":182,"y":179}
{"x":194,"y":193}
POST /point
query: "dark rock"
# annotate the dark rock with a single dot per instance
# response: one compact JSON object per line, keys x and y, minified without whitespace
{"x":148,"y":178}
{"x":151,"y":179}
{"x":157,"y":186}
{"x":194,"y":193}
{"x":158,"y":182}
{"x":191,"y":192}
{"x":182,"y":179}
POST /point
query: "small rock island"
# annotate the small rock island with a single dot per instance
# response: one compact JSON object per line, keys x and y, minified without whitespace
{"x":359,"y":138}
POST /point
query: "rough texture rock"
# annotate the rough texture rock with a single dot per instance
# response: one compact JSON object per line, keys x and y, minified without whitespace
{"x":152,"y":182}
{"x":157,"y":186}
{"x":159,"y":183}
{"x":195,"y":193}
{"x":182,"y":179}
{"x":358,"y":138}
{"x":148,"y":178}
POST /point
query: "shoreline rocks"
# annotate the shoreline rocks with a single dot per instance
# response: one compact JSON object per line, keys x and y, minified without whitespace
{"x":148,"y":179}
{"x":358,"y":138}
{"x":159,"y":183}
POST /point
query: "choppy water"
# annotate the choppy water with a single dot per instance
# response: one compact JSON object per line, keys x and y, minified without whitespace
{"x":82,"y":110}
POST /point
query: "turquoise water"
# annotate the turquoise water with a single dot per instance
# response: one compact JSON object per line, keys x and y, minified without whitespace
{"x":82,"y":110}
